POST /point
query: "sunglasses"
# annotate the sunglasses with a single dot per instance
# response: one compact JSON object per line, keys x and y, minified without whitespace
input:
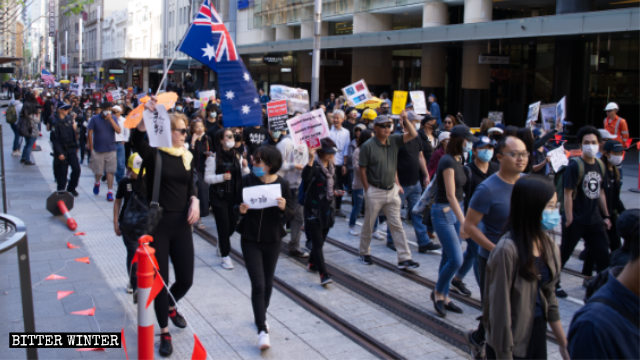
{"x":384,"y":126}
{"x":181,"y":131}
{"x":229,"y":136}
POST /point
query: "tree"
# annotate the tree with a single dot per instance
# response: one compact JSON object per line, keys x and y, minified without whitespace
{"x":75,"y":7}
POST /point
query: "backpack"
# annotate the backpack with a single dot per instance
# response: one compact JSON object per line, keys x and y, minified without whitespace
{"x":558,"y":179}
{"x":11,"y":115}
{"x":24,"y":125}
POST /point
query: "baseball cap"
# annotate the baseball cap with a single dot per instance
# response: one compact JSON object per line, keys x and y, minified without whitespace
{"x":613,"y":146}
{"x":495,"y":129}
{"x":483,"y":141}
{"x":409,"y":106}
{"x":64,"y":106}
{"x":412,"y":116}
{"x":611,"y":106}
{"x":382,"y":119}
{"x":361,"y":127}
{"x":606,"y":135}
{"x":134,"y":162}
{"x":463,"y":132}
{"x":116,"y":109}
{"x":444,"y":136}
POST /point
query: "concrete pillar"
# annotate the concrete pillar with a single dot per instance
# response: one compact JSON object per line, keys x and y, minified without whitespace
{"x":435,"y":13}
{"x":303,"y":67}
{"x":129,"y":74}
{"x":476,"y":11}
{"x":284,"y":32}
{"x":367,"y":22}
{"x":306,"y":29}
{"x":268,"y":34}
{"x":145,"y":77}
{"x":372,"y":65}
{"x":434,"y":65}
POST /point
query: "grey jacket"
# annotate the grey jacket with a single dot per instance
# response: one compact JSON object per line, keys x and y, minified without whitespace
{"x":509,"y":300}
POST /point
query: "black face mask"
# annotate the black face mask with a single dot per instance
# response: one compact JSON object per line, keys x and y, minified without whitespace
{"x":384,"y":110}
{"x":237,"y":137}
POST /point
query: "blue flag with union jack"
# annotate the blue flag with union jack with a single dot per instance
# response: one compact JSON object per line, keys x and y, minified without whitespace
{"x":208,"y":41}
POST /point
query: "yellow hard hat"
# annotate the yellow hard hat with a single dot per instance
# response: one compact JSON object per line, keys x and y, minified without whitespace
{"x":369,"y":114}
{"x":134,"y":163}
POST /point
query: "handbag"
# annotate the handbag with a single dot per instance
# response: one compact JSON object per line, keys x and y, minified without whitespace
{"x":140,"y":217}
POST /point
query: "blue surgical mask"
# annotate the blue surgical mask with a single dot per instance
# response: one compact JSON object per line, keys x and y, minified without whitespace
{"x":277,"y":134}
{"x":258,"y":171}
{"x":178,"y":108}
{"x":468,"y":146}
{"x":550,"y":219}
{"x":485,"y":155}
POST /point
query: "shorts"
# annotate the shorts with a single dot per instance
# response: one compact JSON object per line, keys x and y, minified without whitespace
{"x":102,"y":162}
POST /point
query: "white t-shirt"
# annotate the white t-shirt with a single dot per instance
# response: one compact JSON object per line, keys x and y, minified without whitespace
{"x":342,"y":138}
{"x":124,"y":132}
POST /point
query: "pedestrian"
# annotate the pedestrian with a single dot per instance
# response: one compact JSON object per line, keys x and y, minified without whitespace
{"x":65,"y":149}
{"x":357,"y":194}
{"x":254,"y":137}
{"x":121,"y":139}
{"x":102,"y":144}
{"x":200,"y":146}
{"x":126,"y":187}
{"x":181,"y":209}
{"x":30,"y":121}
{"x":351,"y":121}
{"x":615,"y":124}
{"x":428,"y":136}
{"x":11,"y":116}
{"x":521,"y":273}
{"x":490,"y":205}
{"x":447,"y":215}
{"x":261,"y":232}
{"x":606,"y":327}
{"x":319,"y":179}
{"x":449,"y":122}
{"x":82,"y":134}
{"x":586,"y":214}
{"x":368,"y":115}
{"x":330,"y":103}
{"x":434,"y":109}
{"x":211,"y":124}
{"x":341,"y":138}
{"x":378,"y":161}
{"x":443,"y":141}
{"x":223,"y":172}
{"x":612,"y":158}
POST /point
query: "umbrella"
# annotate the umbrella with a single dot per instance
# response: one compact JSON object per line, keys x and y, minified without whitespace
{"x":372,"y":103}
{"x":64,"y":81}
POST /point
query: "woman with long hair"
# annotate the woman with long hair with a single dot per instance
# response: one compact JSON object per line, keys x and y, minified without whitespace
{"x":224,"y":172}
{"x":200,"y":146}
{"x":521,"y":275}
{"x":30,"y":114}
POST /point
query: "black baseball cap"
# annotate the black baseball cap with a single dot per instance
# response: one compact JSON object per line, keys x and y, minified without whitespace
{"x":463,"y":132}
{"x":483,"y":141}
{"x":613,"y":146}
{"x":106,"y":105}
{"x":64,"y":106}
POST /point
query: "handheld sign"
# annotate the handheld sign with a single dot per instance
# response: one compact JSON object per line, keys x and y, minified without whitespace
{"x":277,"y":114}
{"x":115,"y":95}
{"x":561,"y":112}
{"x":548,"y":112}
{"x":297,"y":99}
{"x":158,"y":126}
{"x":356,"y":93}
{"x":532,"y":114}
{"x":261,"y":196}
{"x":207,"y":95}
{"x":309,"y":128}
{"x":558,"y":158}
{"x":399,"y":102}
{"x":418,"y":101}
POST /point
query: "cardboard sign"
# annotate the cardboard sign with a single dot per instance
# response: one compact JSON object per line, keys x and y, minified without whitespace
{"x":558,"y":158}
{"x":207,"y":95}
{"x":496,"y":116}
{"x":548,"y":112}
{"x":109,"y":97}
{"x":158,"y":126}
{"x":356,"y":93}
{"x":561,"y":112}
{"x":309,"y":128}
{"x":532,"y":114}
{"x":418,"y":101}
{"x":277,"y":113}
{"x":261,"y":196}
{"x":399,"y":101}
{"x":297,"y":99}
{"x":300,"y":155}
{"x":115,"y":95}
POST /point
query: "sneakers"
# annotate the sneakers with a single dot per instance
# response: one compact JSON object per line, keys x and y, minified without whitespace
{"x":561,"y":293}
{"x":378,"y":236}
{"x":298,"y":253}
{"x":459,"y":287}
{"x":110,"y":196}
{"x":129,"y":289}
{"x":96,"y":188}
{"x":429,"y":247}
{"x":264,"y":342}
{"x":74,"y":193}
{"x":366,"y":259}
{"x":325,"y":279}
{"x":408,"y":264}
{"x":165,"y":345}
{"x":477,"y":348}
{"x":16,"y":153}
{"x":177,"y":319}
{"x":226,"y":263}
{"x":353,"y":231}
{"x":311,"y":267}
{"x":29,"y":162}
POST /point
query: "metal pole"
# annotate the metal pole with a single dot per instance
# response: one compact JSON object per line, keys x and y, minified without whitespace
{"x":315,"y":59}
{"x":99,"y":54}
{"x":81,"y":25}
{"x":66,"y":54}
{"x":26,"y":294}
{"x":164,"y":43}
{"x":4,"y":183}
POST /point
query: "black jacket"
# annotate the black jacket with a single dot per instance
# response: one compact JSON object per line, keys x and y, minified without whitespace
{"x":611,"y":187}
{"x":317,"y":207}
{"x":63,"y":137}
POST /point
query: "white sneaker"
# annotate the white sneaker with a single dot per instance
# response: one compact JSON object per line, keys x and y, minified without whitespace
{"x":353,"y":231}
{"x":378,"y":236}
{"x":226,"y":263}
{"x":263,"y":341}
{"x":16,"y":153}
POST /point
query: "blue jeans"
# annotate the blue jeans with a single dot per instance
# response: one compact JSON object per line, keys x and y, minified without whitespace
{"x":412,"y":195}
{"x":469,"y":260}
{"x":28,"y":145}
{"x":447,"y":227}
{"x":120,"y":162}
{"x":16,"y":137}
{"x":357,"y":196}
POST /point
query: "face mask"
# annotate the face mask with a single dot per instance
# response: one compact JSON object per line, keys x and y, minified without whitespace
{"x":468,"y":146}
{"x":229,"y":143}
{"x":550,"y":219}
{"x":178,"y":108}
{"x":213,"y":114}
{"x":416,"y":125}
{"x":276,"y":134}
{"x":615,"y":159}
{"x":590,"y":150}
{"x":384,"y":110}
{"x":238,"y":137}
{"x":258,"y":171}
{"x":485,"y":155}
{"x":106,"y":113}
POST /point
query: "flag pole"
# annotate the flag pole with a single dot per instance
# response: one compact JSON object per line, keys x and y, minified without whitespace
{"x":175,"y":55}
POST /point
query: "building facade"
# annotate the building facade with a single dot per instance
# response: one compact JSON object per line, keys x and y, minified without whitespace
{"x":12,"y":17}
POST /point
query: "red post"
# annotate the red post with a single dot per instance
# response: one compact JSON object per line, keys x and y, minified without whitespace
{"x":71,"y":223}
{"x":145,"y":282}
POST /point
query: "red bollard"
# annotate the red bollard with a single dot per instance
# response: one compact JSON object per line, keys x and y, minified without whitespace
{"x":145,"y":282}
{"x":71,"y":223}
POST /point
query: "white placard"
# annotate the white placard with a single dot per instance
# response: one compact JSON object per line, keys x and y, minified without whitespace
{"x":300,"y":155}
{"x":548,"y":112}
{"x":207,"y":95}
{"x":261,"y":196}
{"x":357,"y":93}
{"x":532,"y":114}
{"x":418,"y":101}
{"x":297,"y":99}
{"x":558,"y":158}
{"x":158,"y":126}
{"x":561,"y":111}
{"x":309,"y":128}
{"x":115,"y":94}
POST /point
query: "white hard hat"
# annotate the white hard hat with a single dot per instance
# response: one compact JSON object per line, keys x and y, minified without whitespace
{"x":611,"y":106}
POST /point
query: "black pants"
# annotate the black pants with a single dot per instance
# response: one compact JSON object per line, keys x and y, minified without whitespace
{"x":225,"y":222}
{"x":260,"y":259}
{"x":83,"y":149}
{"x":318,"y":235}
{"x":203,"y":195}
{"x":340,"y":181}
{"x":595,"y":240}
{"x":60,"y":168}
{"x":537,"y":347}
{"x":173,"y":239}
{"x":131,"y":243}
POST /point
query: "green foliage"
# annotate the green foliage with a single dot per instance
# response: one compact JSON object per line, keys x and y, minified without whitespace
{"x":75,"y":7}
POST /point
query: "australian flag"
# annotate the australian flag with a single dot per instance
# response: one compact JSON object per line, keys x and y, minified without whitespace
{"x":208,"y":41}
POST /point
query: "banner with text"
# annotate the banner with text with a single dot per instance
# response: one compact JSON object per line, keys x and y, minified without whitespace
{"x":158,"y":126}
{"x":418,"y":101}
{"x":532,"y":113}
{"x":309,"y":128}
{"x":261,"y":196}
{"x":278,"y":114}
{"x":297,"y":99}
{"x":399,"y":101}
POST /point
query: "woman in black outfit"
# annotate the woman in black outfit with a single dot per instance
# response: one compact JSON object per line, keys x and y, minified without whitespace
{"x":181,"y":209}
{"x":200,"y":146}
{"x":319,"y":178}
{"x":261,"y":232}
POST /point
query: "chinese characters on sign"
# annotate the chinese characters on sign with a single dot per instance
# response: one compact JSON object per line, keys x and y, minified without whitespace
{"x":261,"y":196}
{"x":277,"y":114}
{"x":158,"y":127}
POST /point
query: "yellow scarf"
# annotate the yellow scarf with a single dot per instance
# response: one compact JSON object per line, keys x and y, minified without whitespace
{"x":182,"y":152}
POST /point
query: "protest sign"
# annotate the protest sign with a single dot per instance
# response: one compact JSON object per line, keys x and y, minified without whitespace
{"x":300,"y":155}
{"x":561,"y":112}
{"x":297,"y":99}
{"x":261,"y":196}
{"x":356,"y":92}
{"x":419,"y":102}
{"x":496,"y":116}
{"x":309,"y":128}
{"x":277,"y":114}
{"x":109,"y":97}
{"x":532,"y":114}
{"x":207,"y":95}
{"x":399,"y":101}
{"x":115,"y":95}
{"x":548,"y":112}
{"x":75,"y":88}
{"x":158,"y":126}
{"x":558,"y":158}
